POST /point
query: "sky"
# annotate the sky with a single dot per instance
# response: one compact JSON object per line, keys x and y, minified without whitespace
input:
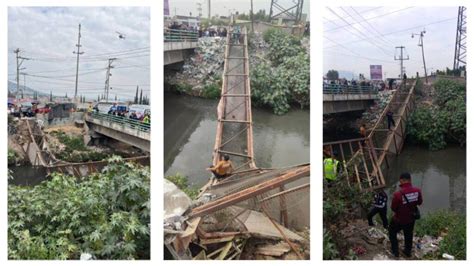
{"x":48,"y":37}
{"x":345,"y":49}
{"x":224,"y":7}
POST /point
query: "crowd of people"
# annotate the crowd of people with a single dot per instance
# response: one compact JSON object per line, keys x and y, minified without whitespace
{"x":212,"y":31}
{"x":123,"y":111}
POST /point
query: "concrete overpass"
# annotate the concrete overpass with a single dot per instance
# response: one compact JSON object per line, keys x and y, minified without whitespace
{"x":338,"y":99}
{"x":129,"y":131}
{"x":178,"y":44}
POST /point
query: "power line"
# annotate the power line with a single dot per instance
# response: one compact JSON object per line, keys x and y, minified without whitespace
{"x":395,"y":32}
{"x":362,"y":12}
{"x":363,"y":57}
{"x":375,"y":29}
{"x":362,"y":34}
{"x":378,"y":16}
{"x":365,"y":28}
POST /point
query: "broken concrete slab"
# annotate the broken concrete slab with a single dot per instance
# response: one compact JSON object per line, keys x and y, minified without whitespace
{"x":259,"y":225}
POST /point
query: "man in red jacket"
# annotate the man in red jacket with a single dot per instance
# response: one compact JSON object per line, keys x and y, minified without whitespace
{"x":404,"y":203}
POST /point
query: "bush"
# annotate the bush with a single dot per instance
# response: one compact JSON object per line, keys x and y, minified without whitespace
{"x":183,"y":88}
{"x":284,"y":78}
{"x":182,"y":183}
{"x":11,"y":157}
{"x":211,"y":91}
{"x":445,"y":121}
{"x":106,"y":214}
{"x":452,"y":224}
{"x":329,"y":248}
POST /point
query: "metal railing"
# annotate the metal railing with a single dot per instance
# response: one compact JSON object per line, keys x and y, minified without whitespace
{"x":123,"y":121}
{"x":348,"y":89}
{"x":171,"y":35}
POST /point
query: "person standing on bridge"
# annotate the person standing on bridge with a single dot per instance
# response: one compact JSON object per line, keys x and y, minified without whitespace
{"x":223,"y":168}
{"x":379,"y":206}
{"x":331,"y":168}
{"x":404,"y":206}
{"x":390,"y":120}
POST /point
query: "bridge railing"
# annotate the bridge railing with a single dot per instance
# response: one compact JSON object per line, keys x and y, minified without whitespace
{"x":348,"y":89}
{"x":124,"y":121}
{"x":172,"y":35}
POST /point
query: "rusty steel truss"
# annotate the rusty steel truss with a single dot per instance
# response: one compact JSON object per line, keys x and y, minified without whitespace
{"x":365,"y":159}
{"x":234,"y":112}
{"x":37,"y":150}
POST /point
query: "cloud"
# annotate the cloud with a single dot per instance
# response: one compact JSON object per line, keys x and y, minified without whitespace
{"x":48,"y":36}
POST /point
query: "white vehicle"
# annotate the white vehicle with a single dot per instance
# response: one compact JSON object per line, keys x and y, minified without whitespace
{"x":103,"y":108}
{"x":139,"y":109}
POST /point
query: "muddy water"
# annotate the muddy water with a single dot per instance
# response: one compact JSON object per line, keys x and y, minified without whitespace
{"x":440,"y":174}
{"x":190,"y":130}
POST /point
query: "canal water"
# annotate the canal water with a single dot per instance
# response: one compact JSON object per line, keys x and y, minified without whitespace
{"x":440,"y":174}
{"x":190,"y":131}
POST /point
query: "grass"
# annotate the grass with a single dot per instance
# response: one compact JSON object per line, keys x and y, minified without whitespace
{"x":450,"y":224}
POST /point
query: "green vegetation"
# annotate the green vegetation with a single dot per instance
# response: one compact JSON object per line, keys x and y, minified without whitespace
{"x":182,"y":183}
{"x":11,"y":157}
{"x":75,"y":150}
{"x":332,"y":75}
{"x":451,"y":225}
{"x":211,"y":91}
{"x":283,"y":79}
{"x":106,"y":214}
{"x":342,"y":201}
{"x":329,"y":248}
{"x":444,"y":120}
{"x":183,"y":88}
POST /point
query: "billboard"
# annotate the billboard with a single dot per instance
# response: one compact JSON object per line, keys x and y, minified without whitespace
{"x":376,"y":72}
{"x":166,"y":10}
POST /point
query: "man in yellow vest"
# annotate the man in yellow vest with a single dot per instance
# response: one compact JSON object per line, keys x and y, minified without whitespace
{"x":331,"y":167}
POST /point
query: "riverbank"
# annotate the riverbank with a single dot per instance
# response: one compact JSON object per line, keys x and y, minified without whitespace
{"x":442,"y":177}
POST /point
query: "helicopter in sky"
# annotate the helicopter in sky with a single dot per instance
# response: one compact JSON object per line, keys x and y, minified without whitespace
{"x":120,"y":35}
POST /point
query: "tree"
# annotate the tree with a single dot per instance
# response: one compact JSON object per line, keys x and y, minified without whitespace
{"x":141,"y":94}
{"x":332,"y":75}
{"x":135,"y":101}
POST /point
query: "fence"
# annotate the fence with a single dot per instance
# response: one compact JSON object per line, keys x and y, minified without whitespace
{"x":123,"y":121}
{"x":171,"y":35}
{"x":348,"y":89}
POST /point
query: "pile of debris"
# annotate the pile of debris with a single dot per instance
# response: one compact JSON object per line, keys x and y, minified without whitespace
{"x":205,"y":66}
{"x":227,"y":228}
{"x":372,"y":243}
{"x":371,"y":116}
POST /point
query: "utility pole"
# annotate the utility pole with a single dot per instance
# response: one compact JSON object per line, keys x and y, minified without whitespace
{"x":422,"y":33}
{"x":107,"y":79}
{"x":77,"y":63}
{"x":19,"y":61}
{"x":251,"y":12}
{"x":401,"y":58}
{"x":24,"y":83}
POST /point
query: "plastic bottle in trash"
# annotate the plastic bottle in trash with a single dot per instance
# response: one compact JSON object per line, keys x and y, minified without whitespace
{"x":447,"y":256}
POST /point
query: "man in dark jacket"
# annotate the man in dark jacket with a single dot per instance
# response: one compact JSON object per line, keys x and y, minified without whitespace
{"x":404,"y":203}
{"x":379,"y":206}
